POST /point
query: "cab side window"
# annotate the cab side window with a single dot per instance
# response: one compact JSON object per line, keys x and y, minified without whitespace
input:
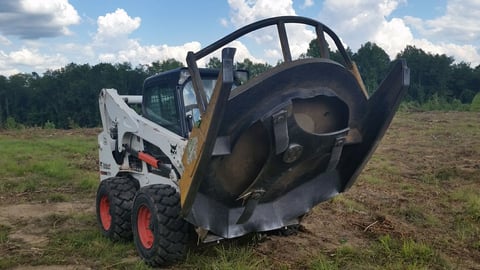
{"x":160,"y":106}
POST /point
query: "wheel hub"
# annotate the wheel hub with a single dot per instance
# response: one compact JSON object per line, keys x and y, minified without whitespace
{"x":144,"y":227}
{"x":105,"y":216}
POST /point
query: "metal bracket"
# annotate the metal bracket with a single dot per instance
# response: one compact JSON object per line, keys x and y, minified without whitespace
{"x":336,"y":152}
{"x":252,"y":199}
{"x":280,"y":131}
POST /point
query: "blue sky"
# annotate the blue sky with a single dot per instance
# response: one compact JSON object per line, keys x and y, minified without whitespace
{"x":39,"y":35}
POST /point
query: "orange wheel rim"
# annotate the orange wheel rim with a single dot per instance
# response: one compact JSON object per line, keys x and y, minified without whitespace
{"x":143,"y":226}
{"x":105,"y":216}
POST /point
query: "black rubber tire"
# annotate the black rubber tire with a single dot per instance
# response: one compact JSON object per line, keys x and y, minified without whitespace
{"x":169,"y":230}
{"x":118,"y":193}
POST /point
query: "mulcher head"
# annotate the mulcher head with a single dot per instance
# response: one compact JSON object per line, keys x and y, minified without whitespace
{"x":284,"y":141}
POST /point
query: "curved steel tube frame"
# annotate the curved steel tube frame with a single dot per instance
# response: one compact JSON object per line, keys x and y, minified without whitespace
{"x":280,"y":22}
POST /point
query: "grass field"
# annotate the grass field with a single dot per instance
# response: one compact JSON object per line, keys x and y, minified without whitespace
{"x":415,"y":206}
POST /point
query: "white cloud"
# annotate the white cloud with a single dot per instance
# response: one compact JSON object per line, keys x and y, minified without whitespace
{"x":26,"y":57}
{"x":244,"y":12}
{"x":62,"y":13}
{"x":80,"y":53}
{"x":33,"y":19}
{"x":5,"y":41}
{"x":6,"y":68}
{"x":119,"y":25}
{"x":357,"y":21}
{"x":135,"y":53}
{"x":392,"y":36}
{"x":31,"y":58}
{"x":307,"y":4}
{"x":108,"y":58}
{"x":458,"y":24}
{"x":241,"y":53}
{"x":116,"y":25}
{"x":456,"y":33}
{"x":299,"y":39}
{"x":273,"y":54}
{"x":224,"y":22}
{"x":113,"y":44}
{"x":466,"y":53}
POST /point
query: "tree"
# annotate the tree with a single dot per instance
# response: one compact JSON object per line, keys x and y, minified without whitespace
{"x":214,"y":63}
{"x":372,"y":62}
{"x":313,"y":51}
{"x":68,"y":96}
{"x":17,"y":96}
{"x":254,"y":69}
{"x":165,"y":65}
{"x":476,"y":80}
{"x":429,"y":74}
{"x":337,"y":56}
{"x":461,"y":83}
{"x":3,"y":99}
{"x":475,"y":106}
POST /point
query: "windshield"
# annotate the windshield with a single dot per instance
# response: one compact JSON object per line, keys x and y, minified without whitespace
{"x":189,"y":99}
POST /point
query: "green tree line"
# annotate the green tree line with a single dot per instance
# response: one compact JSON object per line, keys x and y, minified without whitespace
{"x":67,"y":97}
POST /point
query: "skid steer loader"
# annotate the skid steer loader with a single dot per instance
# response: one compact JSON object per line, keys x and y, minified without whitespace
{"x":230,"y":155}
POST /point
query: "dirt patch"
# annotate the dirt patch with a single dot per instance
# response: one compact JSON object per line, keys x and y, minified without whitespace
{"x":405,"y":192}
{"x":30,"y":211}
{"x":328,"y":227}
{"x":31,"y":223}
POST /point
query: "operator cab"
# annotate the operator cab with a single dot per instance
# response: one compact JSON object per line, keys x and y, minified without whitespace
{"x":169,"y":98}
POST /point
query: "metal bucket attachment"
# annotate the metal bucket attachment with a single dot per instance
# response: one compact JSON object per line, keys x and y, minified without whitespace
{"x":298,"y":135}
{"x":289,"y":139}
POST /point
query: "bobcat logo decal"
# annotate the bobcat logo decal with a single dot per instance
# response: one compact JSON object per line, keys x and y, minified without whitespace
{"x":173,"y":149}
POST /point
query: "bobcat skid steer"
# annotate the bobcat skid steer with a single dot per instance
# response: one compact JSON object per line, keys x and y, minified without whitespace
{"x":227,"y":155}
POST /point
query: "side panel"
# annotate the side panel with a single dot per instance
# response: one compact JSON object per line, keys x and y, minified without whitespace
{"x":123,"y":126}
{"x":107,"y":165}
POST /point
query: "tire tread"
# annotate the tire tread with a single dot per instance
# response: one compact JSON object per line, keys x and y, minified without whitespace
{"x":122,"y":191}
{"x":174,"y":235}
